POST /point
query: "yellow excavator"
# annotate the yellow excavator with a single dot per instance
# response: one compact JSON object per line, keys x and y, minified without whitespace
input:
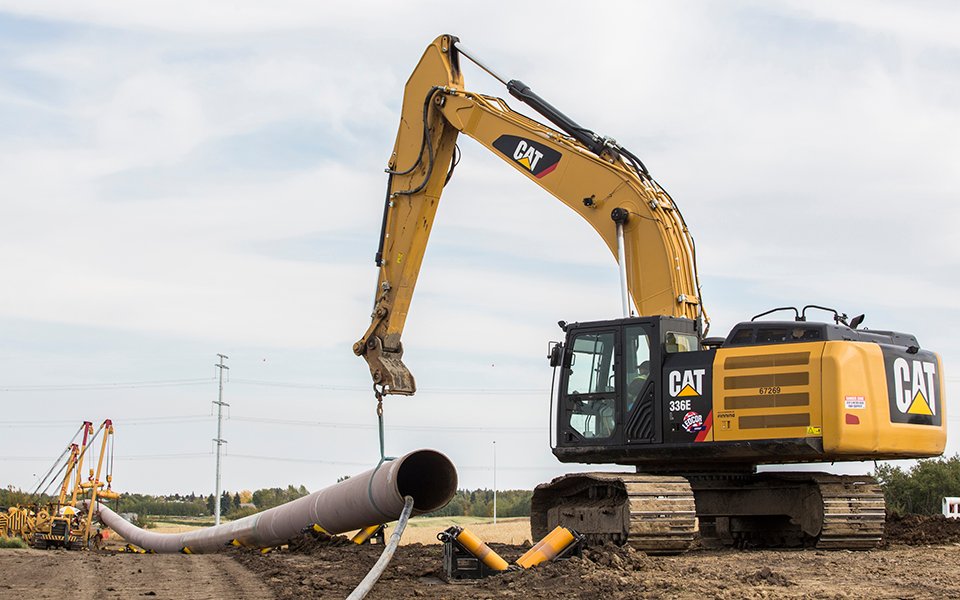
{"x":694,"y":415}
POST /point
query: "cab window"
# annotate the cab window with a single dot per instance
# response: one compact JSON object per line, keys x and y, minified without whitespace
{"x":637,"y":361}
{"x":591,"y":370}
{"x":680,"y":342}
{"x":593,"y":418}
{"x":637,"y":354}
{"x":591,"y":373}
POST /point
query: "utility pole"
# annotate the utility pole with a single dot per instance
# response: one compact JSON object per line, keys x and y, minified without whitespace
{"x":219,"y":439}
{"x":494,"y":482}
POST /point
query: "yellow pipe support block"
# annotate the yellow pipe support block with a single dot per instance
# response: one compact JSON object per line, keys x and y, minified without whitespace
{"x":548,"y":548}
{"x":318,"y":529}
{"x":483,"y":552}
{"x":364,"y":534}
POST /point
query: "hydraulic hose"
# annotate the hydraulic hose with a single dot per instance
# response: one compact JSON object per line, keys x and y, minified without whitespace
{"x":374,"y":574}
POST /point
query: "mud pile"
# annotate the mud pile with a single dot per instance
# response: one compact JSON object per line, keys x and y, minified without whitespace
{"x":319,"y":566}
{"x":313,"y":542}
{"x":603,"y":571}
{"x":766,"y":575}
{"x":330,"y":567}
{"x":921,"y":530}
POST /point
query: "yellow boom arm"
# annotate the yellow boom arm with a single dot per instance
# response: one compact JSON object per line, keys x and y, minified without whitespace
{"x":602,"y":182}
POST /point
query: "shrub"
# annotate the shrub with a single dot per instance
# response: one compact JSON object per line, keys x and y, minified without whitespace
{"x":921,"y":488}
{"x":12,"y":542}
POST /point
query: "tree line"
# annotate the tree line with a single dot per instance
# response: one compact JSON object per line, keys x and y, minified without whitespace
{"x":234,"y":505}
{"x":479,"y":503}
{"x":918,"y":489}
{"x":921,"y":488}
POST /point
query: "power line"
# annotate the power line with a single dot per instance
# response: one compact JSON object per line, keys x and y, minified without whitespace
{"x":79,"y":387}
{"x":368,"y":464}
{"x":284,"y":459}
{"x":164,"y":456}
{"x":300,"y":460}
{"x":364,"y":388}
{"x":82,"y":387}
{"x":179,"y":419}
{"x":449,"y":428}
{"x":173,"y":419}
{"x":100,"y":386}
{"x":120,"y":458}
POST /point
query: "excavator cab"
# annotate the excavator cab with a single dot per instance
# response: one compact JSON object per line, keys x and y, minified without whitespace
{"x":611,"y":381}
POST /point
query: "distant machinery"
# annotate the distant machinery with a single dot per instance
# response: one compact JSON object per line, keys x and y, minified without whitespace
{"x":60,"y":523}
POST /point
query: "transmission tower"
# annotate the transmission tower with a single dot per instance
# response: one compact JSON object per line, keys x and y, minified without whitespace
{"x":219,"y":439}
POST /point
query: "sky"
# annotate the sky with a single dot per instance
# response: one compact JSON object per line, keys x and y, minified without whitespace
{"x":182,"y":179}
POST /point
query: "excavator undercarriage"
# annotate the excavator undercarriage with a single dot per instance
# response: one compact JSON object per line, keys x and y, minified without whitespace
{"x":662,"y":514}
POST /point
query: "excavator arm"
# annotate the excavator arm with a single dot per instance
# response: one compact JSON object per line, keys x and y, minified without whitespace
{"x":603,"y":182}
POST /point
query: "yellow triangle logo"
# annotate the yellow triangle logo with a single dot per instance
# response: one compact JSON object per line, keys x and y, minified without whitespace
{"x":525,"y":162}
{"x":687,"y":391}
{"x":919,"y":406}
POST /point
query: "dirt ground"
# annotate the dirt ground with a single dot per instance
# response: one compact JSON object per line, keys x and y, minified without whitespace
{"x":92,"y":575}
{"x":898,"y":571}
{"x":320,"y":568}
{"x":920,"y":530}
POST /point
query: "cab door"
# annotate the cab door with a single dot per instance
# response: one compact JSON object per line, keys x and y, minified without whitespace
{"x":641,"y":374}
{"x":589,"y":412}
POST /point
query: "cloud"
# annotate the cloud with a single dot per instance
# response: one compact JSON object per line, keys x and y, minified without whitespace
{"x":924,"y":24}
{"x":211,"y":175}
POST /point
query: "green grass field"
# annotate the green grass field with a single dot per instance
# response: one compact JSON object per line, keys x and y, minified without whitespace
{"x":420,"y":530}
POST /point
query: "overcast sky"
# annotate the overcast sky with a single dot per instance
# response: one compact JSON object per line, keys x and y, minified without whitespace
{"x":179,"y":179}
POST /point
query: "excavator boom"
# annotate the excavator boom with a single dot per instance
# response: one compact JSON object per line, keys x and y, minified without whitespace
{"x":600,"y":180}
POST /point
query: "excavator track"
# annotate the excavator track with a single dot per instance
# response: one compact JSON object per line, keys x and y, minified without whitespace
{"x":790,"y":509}
{"x":663,"y":514}
{"x":854,"y":511}
{"x":653,"y":513}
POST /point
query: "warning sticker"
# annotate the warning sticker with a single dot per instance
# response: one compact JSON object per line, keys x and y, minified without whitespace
{"x":854,"y":402}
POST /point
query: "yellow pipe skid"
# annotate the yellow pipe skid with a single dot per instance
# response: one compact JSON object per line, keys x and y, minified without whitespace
{"x":478,"y":548}
{"x":548,"y":548}
{"x":364,"y":534}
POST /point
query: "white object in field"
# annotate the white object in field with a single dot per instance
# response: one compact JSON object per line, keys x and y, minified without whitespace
{"x":951,"y":507}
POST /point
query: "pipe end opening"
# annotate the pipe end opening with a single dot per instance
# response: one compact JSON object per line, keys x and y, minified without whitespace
{"x":430,"y":478}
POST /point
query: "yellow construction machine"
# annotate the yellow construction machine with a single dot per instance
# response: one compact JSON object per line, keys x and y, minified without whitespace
{"x":62,"y":524}
{"x":694,"y":415}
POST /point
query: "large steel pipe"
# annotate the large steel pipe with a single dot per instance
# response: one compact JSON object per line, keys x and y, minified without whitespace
{"x":373,"y":497}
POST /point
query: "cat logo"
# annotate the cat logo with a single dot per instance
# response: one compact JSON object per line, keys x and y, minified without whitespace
{"x":913,"y":386}
{"x":686,"y":384}
{"x":531,"y":155}
{"x":913,"y":382}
